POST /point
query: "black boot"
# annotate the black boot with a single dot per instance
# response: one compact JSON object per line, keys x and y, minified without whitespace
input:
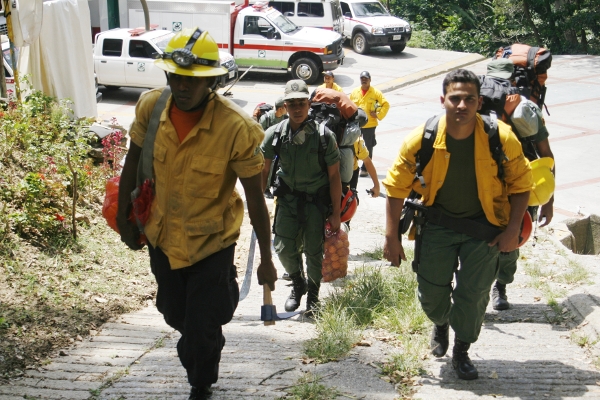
{"x":499,"y":299}
{"x":298,"y":290}
{"x":439,"y":340}
{"x":200,"y":393}
{"x":461,"y":361}
{"x":312,"y":299}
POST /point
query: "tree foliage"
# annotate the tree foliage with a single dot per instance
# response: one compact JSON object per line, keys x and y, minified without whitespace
{"x":563,"y":26}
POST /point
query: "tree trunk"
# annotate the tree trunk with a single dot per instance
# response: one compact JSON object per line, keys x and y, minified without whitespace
{"x":534,"y":28}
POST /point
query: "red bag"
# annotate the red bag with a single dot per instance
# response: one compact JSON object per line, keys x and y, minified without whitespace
{"x":335,"y":254}
{"x":110,"y":206}
{"x":341,"y":100}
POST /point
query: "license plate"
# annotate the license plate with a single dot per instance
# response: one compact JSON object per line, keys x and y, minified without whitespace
{"x":397,"y":37}
{"x":231,"y":74}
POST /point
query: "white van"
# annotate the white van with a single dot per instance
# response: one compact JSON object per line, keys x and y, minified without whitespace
{"x":325,"y":14}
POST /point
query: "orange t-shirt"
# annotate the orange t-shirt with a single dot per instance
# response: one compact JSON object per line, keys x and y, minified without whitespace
{"x":184,"y":121}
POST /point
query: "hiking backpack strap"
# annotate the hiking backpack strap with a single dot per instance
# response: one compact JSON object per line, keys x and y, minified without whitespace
{"x":423,"y":156}
{"x":324,"y":138}
{"x":426,"y":151}
{"x":276,"y":143}
{"x":490,"y":124}
{"x":145,"y":166}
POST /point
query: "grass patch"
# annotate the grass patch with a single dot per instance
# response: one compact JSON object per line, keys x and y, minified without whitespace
{"x":377,"y":297}
{"x":375,"y":254}
{"x":575,"y":274}
{"x":336,"y":335}
{"x":309,"y":388}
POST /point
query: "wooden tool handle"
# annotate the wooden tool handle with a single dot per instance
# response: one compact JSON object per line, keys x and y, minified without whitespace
{"x":267,"y":300}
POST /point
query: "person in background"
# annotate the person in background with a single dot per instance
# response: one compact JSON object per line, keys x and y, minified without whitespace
{"x":308,"y":179}
{"x":503,"y":68}
{"x":375,"y":105}
{"x":328,"y":82}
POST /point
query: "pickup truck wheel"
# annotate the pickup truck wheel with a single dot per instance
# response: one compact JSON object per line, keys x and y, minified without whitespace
{"x":305,"y":69}
{"x":111,"y":87}
{"x":398,"y":48}
{"x":359,"y":43}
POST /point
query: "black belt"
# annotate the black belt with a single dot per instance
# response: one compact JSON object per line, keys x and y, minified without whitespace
{"x":466,"y":226}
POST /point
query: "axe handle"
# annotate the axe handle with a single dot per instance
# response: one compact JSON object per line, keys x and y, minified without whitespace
{"x":267,"y":300}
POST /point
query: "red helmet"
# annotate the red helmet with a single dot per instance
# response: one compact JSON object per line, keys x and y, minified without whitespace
{"x":526,"y":228}
{"x":349,"y":205}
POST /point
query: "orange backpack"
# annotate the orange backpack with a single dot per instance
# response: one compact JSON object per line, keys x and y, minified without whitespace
{"x":531,"y":66}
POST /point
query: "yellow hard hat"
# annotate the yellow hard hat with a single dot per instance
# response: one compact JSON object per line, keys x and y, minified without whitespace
{"x":191,"y":52}
{"x":543,"y":181}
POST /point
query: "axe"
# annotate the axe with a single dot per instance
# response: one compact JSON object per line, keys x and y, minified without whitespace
{"x":268,"y":312}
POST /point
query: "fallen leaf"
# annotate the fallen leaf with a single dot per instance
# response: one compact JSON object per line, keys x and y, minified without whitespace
{"x":364,"y":343}
{"x":537,"y":298}
{"x":493,"y":375}
{"x":100,"y":300}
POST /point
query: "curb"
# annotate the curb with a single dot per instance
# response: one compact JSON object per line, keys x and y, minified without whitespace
{"x":430,"y":72}
{"x":581,"y":300}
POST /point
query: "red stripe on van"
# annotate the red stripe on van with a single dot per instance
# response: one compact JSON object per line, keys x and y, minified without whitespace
{"x":355,"y":20}
{"x":278,"y":48}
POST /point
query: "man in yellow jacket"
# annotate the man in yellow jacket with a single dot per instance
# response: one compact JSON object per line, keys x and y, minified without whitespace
{"x":376,"y":107}
{"x":461,"y":185}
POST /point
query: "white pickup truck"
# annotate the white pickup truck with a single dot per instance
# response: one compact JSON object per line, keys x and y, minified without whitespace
{"x":124,"y":57}
{"x":368,"y":24}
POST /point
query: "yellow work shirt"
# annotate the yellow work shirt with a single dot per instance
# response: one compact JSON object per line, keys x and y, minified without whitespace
{"x":197,"y":211}
{"x":335,"y":87}
{"x":373,"y":100}
{"x":492,"y":192}
{"x":360,"y":151}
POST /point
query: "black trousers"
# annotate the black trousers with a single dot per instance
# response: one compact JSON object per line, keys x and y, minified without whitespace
{"x":368,"y":135}
{"x":197,"y":301}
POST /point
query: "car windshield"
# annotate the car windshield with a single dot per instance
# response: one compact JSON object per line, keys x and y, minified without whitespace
{"x":162,"y":41}
{"x":283,"y":23}
{"x":373,"y":9}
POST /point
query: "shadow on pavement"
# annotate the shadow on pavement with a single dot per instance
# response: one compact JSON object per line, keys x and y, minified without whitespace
{"x":534,"y":379}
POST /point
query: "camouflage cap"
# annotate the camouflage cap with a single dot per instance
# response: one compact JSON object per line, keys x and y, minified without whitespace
{"x":296,"y":89}
{"x":501,"y":68}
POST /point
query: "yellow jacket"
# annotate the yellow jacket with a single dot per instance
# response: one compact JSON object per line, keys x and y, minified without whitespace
{"x":335,"y":87}
{"x":373,"y":100}
{"x":197,"y":211}
{"x":492,"y":192}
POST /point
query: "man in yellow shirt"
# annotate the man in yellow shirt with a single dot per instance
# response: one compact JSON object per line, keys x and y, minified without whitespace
{"x":460,"y":188}
{"x":328,"y":82}
{"x":375,"y":105}
{"x":196,"y":212}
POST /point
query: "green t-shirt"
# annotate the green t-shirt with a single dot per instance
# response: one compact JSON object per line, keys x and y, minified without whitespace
{"x":458,"y":195}
{"x":299,"y":165}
